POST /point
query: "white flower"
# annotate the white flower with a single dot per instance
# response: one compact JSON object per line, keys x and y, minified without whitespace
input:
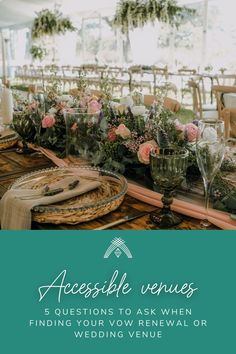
{"x":52,"y":110}
{"x":114,"y":104}
{"x":138,"y":110}
{"x":127,"y":101}
{"x":210,"y":134}
{"x":64,"y":98}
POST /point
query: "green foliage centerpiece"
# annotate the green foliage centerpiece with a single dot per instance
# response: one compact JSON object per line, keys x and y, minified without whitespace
{"x":120,"y":138}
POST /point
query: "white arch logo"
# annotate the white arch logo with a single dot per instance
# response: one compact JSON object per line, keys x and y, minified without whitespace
{"x":118,"y":247}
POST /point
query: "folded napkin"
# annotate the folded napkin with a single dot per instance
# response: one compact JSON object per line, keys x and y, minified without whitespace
{"x":216,"y":217}
{"x":15,"y":213}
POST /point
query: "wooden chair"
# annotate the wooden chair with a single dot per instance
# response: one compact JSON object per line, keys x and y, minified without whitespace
{"x":201,"y":111}
{"x":185,"y":74}
{"x":161,"y":83}
{"x":229,"y":118}
{"x":160,"y":77}
{"x":169,"y":103}
{"x":96,"y":93}
{"x":92,"y":75}
{"x":226,"y":79}
{"x":141,"y":78}
{"x":227,"y":114}
{"x":219,"y":91}
{"x":119,"y":79}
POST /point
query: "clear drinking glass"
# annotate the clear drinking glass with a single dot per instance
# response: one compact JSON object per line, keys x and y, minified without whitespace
{"x":82,"y":138}
{"x":210,"y":148}
{"x":37,"y":113}
{"x":23,"y":125}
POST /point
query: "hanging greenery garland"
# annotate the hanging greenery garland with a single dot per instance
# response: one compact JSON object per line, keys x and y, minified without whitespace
{"x":50,"y":23}
{"x":137,"y":13}
{"x":38,"y":52}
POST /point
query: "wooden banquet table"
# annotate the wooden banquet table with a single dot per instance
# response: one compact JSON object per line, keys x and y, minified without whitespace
{"x":14,"y":165}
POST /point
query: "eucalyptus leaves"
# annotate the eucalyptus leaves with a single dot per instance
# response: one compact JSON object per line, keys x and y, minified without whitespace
{"x":136,"y":13}
{"x":50,"y":23}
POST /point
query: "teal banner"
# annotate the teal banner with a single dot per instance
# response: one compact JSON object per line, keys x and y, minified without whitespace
{"x":118,"y":292}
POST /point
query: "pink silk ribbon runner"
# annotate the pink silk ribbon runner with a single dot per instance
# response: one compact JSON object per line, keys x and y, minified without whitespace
{"x":216,"y":217}
{"x":50,"y":155}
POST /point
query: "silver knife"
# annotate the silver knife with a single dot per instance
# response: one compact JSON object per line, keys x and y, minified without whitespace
{"x":122,"y":220}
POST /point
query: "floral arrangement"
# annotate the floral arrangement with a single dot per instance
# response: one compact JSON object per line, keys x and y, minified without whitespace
{"x":134,"y":131}
{"x":120,"y":138}
{"x":136,"y":13}
{"x":44,"y":117}
{"x":50,"y":23}
{"x":38,"y":52}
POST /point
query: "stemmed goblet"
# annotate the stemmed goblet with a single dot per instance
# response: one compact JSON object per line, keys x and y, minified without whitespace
{"x":37,"y":113}
{"x":168,"y":169}
{"x":210,"y":147}
{"x":24,"y":126}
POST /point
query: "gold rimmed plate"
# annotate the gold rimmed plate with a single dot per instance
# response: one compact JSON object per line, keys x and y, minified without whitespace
{"x":8,"y":139}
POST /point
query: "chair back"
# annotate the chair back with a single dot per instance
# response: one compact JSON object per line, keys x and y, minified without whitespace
{"x":219,"y":91}
{"x":187,"y":71}
{"x":226,"y":79}
{"x":168,"y":103}
{"x":148,"y":100}
{"x":229,"y":118}
{"x":228,"y":115}
{"x":196,"y":95}
{"x":96,"y":93}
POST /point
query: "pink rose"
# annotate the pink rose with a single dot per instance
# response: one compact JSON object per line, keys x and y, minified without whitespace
{"x":74,"y":127}
{"x":48,"y":121}
{"x":111,"y":135}
{"x":61,"y":105}
{"x":123,"y":131}
{"x":33,"y":105}
{"x":145,"y":149}
{"x":83,"y":102}
{"x":179,"y":126}
{"x":94,"y":106}
{"x":191,"y":131}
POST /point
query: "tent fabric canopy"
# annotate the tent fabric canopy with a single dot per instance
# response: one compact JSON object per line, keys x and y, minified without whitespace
{"x":16,"y":12}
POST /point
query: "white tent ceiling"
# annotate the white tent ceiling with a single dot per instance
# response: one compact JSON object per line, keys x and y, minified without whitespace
{"x":16,"y":12}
